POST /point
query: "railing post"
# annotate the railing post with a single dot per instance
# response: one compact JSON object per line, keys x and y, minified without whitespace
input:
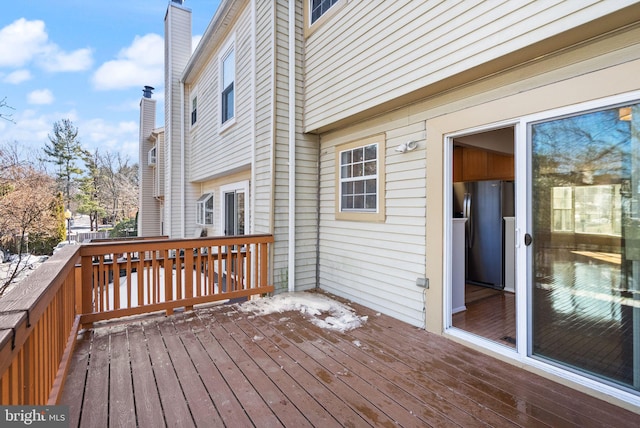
{"x":87,"y":286}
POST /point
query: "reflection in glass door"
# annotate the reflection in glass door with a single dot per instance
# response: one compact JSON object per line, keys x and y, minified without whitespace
{"x":234,"y":213}
{"x":586,"y":249}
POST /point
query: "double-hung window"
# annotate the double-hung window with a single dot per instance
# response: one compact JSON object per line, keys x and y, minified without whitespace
{"x":361,"y":180}
{"x":194,"y":110}
{"x":204,"y":209}
{"x":227,"y":79}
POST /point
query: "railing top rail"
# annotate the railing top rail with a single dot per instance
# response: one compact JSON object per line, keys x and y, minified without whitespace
{"x":36,"y":286}
{"x":98,"y":248}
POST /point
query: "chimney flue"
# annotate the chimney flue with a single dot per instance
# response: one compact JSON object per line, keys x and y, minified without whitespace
{"x":147,"y":91}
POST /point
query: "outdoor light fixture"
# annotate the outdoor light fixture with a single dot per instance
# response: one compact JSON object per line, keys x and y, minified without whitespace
{"x":67,"y":216}
{"x":407,"y":147}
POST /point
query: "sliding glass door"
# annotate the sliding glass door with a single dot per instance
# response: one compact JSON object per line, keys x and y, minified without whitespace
{"x":585,"y":251}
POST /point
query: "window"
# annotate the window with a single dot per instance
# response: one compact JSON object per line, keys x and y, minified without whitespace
{"x":320,"y":7}
{"x":360,"y":180}
{"x":194,"y":110}
{"x":152,"y":157}
{"x":204,"y":210}
{"x":228,"y":75}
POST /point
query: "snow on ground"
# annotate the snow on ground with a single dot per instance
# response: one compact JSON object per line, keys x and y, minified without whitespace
{"x":27,"y":265}
{"x":322,"y":311}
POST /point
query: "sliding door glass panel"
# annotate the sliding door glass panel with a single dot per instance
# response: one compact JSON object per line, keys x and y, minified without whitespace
{"x":586,"y":244}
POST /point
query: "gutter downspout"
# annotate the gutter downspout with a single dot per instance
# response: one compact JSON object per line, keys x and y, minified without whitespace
{"x":168,"y":128}
{"x":272,"y":141}
{"x":182,"y":163}
{"x":292,"y":146}
{"x":252,"y":184}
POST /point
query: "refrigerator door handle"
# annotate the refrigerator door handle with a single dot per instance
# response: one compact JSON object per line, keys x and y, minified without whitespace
{"x":469,"y":217}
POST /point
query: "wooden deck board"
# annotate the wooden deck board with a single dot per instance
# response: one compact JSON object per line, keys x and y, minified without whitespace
{"x":174,"y":404}
{"x":233,"y":376}
{"x":148,"y":408}
{"x":121,"y":404}
{"x":219,"y":367}
{"x":95,"y":407}
{"x":222,"y":397}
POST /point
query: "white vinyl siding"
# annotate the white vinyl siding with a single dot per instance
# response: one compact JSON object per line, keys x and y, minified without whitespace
{"x":149,"y":208}
{"x":177,"y":52}
{"x":263,"y":119}
{"x":377,"y":263}
{"x":399,"y":48}
{"x":214,"y":153}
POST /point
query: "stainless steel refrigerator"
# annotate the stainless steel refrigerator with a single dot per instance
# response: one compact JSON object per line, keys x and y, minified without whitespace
{"x":484,"y":204}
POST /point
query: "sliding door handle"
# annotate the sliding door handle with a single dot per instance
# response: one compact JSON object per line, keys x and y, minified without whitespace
{"x":527,"y":239}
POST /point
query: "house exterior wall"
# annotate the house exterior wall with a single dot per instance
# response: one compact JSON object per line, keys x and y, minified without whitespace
{"x":397,"y":70}
{"x":259,"y":144}
{"x":214,"y":186}
{"x":149,"y":209}
{"x":177,"y":53}
{"x":216,"y":151}
{"x":377,"y":264}
{"x":415,"y":49}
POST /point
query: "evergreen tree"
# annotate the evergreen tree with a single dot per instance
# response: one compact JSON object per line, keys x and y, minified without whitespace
{"x":88,"y":199}
{"x":64,"y":151}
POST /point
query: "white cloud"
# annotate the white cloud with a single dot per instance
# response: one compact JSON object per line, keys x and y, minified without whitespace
{"x":33,"y":127}
{"x":119,"y":137}
{"x":55,"y":60}
{"x":137,"y":65}
{"x":17,"y":77}
{"x":23,"y":42}
{"x":40,"y":96}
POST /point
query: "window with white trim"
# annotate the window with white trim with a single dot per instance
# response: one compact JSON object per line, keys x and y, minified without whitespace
{"x":151,"y":160}
{"x":194,"y":110}
{"x":360,"y":180}
{"x":227,"y":79}
{"x":319,"y":8}
{"x":204,"y":209}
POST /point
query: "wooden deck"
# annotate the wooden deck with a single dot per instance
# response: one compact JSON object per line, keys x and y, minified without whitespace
{"x":219,"y":367}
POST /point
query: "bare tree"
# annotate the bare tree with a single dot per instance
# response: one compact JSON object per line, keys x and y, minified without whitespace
{"x":3,"y":114}
{"x":119,"y":185}
{"x":28,"y":205}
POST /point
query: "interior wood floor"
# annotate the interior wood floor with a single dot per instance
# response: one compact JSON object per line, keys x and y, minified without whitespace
{"x":216,"y":367}
{"x":490,"y":314}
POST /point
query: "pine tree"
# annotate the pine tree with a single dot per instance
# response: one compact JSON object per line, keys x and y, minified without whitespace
{"x":64,"y":151}
{"x":88,"y":197}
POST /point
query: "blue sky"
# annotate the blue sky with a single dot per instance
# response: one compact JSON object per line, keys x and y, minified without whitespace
{"x":84,"y":60}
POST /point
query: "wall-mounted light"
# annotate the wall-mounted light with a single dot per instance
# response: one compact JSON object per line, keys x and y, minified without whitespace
{"x":407,"y":147}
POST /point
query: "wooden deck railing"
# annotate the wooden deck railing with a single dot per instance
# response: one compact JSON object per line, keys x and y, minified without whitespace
{"x":38,"y":326}
{"x":134,"y":277}
{"x":79,"y":285}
